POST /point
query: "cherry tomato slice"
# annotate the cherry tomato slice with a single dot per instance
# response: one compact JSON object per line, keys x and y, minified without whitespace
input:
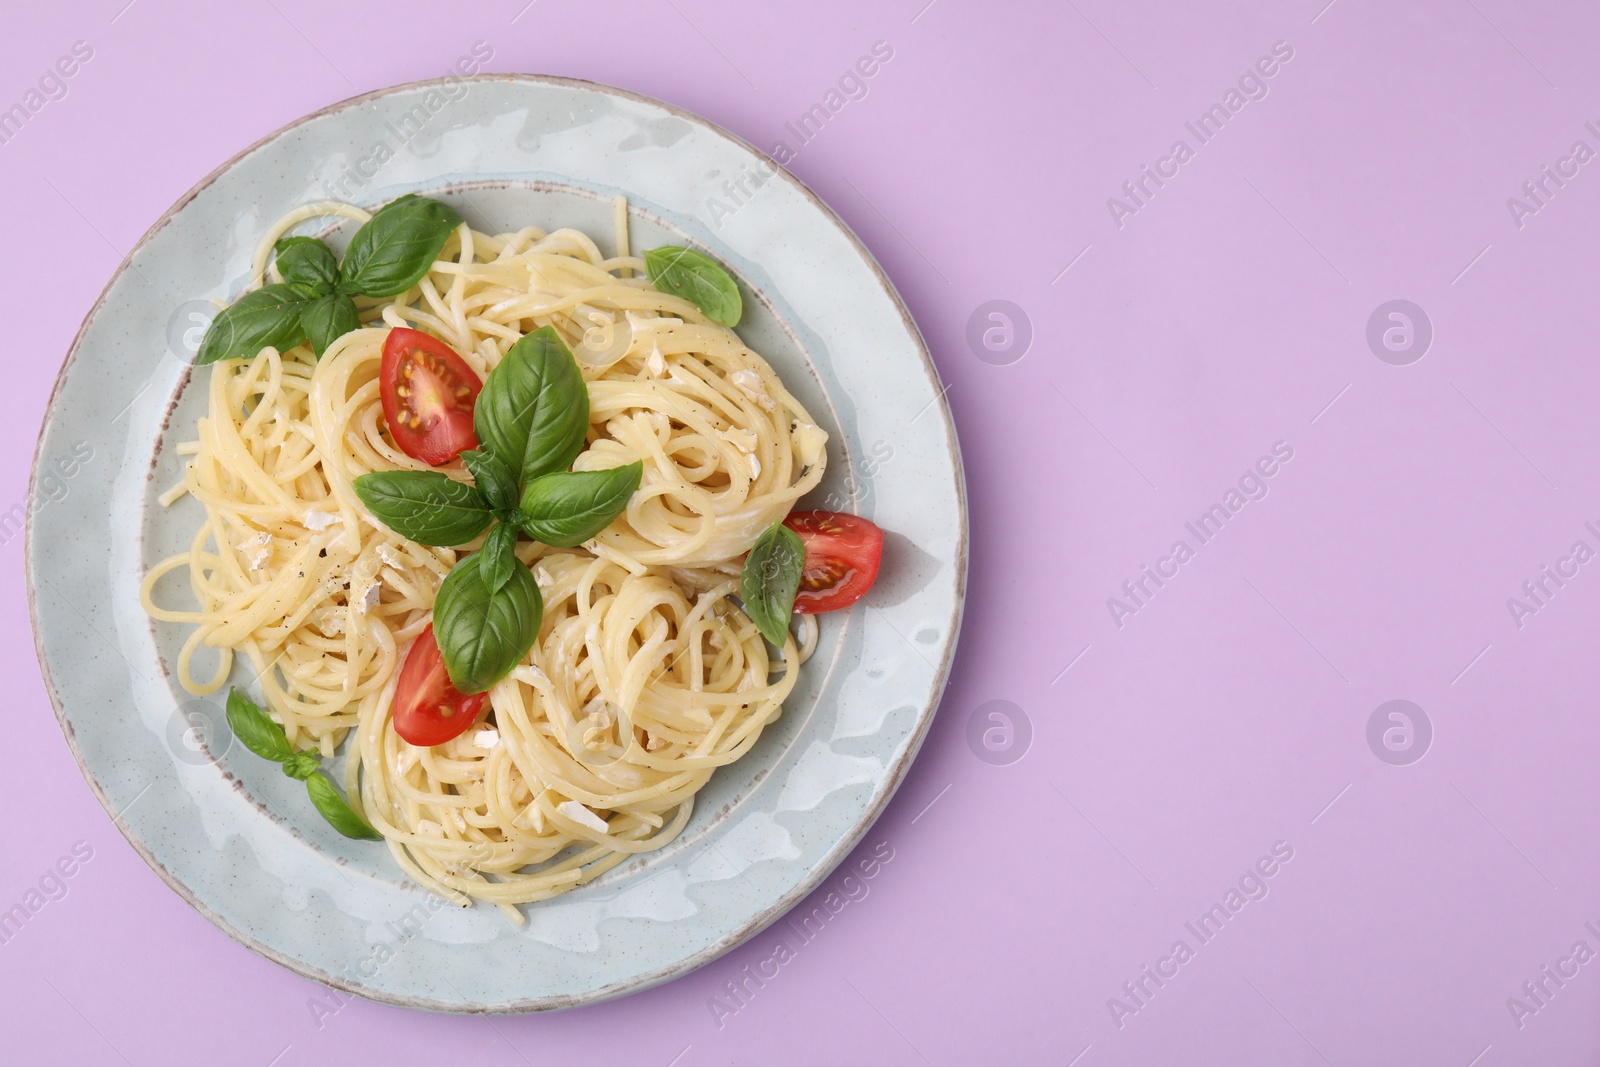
{"x":428,"y":710}
{"x":428,"y":392}
{"x":842,"y":556}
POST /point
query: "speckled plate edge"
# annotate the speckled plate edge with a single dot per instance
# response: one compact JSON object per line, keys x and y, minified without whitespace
{"x":821,"y":869}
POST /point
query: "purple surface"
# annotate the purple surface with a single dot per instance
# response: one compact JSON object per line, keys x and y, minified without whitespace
{"x":1163,"y":756}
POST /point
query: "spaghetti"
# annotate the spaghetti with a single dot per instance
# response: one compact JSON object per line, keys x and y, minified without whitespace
{"x":644,"y":678}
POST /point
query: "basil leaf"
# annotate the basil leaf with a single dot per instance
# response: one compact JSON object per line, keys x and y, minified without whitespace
{"x":496,"y":480}
{"x":567,"y":508}
{"x":428,"y":507}
{"x":256,"y":729}
{"x":266,"y":739}
{"x":770,"y":579}
{"x":268,"y":316}
{"x":301,"y":765}
{"x":325,"y":795}
{"x":328,"y":318}
{"x":397,"y":246}
{"x":483,"y":634}
{"x":499,"y":557}
{"x":533,"y":411}
{"x":697,"y":278}
{"x":307,"y":265}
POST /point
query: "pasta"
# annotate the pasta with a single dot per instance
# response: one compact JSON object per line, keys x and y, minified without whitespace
{"x":644,"y":677}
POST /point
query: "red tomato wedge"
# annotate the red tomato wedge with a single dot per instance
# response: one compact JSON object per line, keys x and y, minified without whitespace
{"x":428,"y":392}
{"x":428,"y":710}
{"x":842,"y":556}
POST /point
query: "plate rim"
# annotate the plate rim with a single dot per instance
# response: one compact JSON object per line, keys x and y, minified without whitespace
{"x":895,"y":773}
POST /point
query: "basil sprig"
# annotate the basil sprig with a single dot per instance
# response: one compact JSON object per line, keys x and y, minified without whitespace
{"x":266,"y":739}
{"x":388,"y":255}
{"x":770,"y":580}
{"x":567,"y":508}
{"x":482,"y":631}
{"x":531,"y":418}
{"x":697,"y":278}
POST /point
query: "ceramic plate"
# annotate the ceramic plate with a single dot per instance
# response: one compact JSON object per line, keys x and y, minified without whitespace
{"x":229,"y":832}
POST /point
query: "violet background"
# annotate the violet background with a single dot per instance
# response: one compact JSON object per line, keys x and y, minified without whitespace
{"x":1228,"y":714}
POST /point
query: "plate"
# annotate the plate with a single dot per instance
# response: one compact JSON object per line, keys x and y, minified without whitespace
{"x":209,"y":817}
